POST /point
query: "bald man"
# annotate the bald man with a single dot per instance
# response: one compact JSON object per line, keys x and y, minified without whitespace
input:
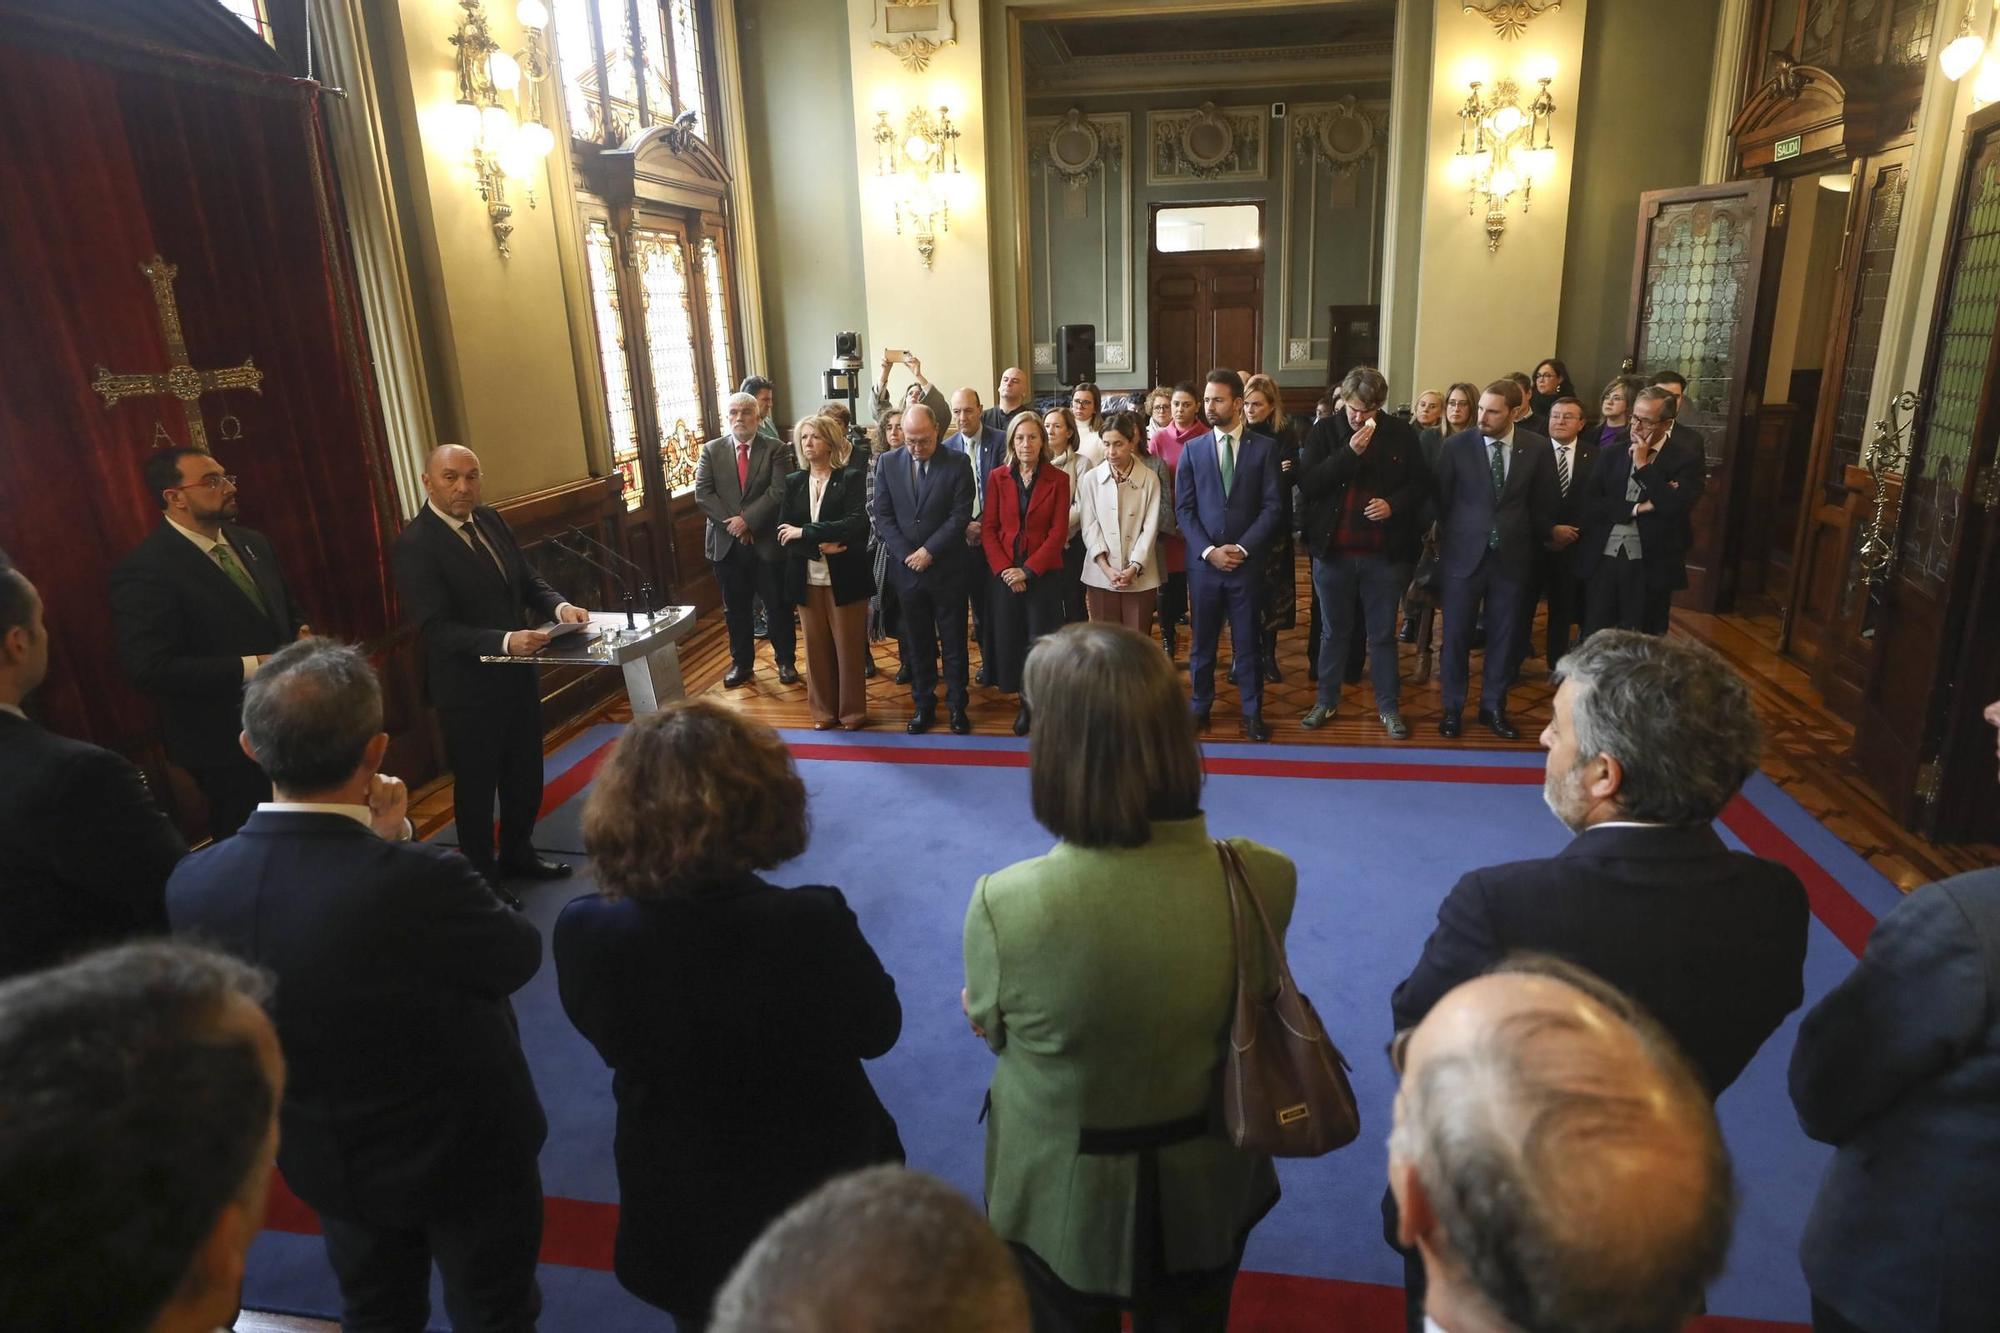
{"x":1554,"y":1159}
{"x":470,"y":593}
{"x":1011,"y":395}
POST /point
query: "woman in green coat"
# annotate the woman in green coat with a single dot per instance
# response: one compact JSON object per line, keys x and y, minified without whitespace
{"x":1103,"y":974}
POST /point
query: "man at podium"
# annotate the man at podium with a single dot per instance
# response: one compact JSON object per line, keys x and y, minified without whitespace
{"x":468,"y":590}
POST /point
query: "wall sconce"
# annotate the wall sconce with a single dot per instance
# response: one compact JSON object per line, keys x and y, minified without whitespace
{"x":1505,"y":147}
{"x":926,"y":149}
{"x":506,"y":140}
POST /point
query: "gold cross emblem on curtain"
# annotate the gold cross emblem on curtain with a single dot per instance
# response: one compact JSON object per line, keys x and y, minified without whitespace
{"x":180,"y":378}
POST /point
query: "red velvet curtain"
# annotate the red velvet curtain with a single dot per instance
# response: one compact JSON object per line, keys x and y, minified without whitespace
{"x":109,"y":156}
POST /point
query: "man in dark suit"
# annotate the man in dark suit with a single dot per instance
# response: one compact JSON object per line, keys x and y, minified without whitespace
{"x":197,"y":606}
{"x":737,"y":484}
{"x":1364,"y":479}
{"x":1899,"y":1069}
{"x":1650,"y":739}
{"x":985,"y":449}
{"x":1632,"y":555}
{"x":1226,"y":497}
{"x":1556,"y":563}
{"x":410,"y":1121}
{"x":923,"y":506}
{"x":468,"y":590}
{"x":1496,"y":488}
{"x":84,"y":852}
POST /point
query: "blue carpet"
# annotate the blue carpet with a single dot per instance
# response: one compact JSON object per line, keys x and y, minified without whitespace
{"x":905,"y":841}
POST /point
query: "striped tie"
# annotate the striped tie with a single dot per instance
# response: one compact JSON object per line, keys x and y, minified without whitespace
{"x":1562,"y":469}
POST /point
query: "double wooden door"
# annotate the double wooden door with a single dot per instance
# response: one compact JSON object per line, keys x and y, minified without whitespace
{"x":1206,"y":310}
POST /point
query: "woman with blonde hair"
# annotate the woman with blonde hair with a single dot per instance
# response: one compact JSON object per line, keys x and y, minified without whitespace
{"x":1024,"y":529}
{"x":823,"y":528}
{"x":1103,"y":976}
{"x":1264,"y":413}
{"x":734,"y":1102}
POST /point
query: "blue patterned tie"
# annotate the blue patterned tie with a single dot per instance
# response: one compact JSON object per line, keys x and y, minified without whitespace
{"x":1499,"y":461}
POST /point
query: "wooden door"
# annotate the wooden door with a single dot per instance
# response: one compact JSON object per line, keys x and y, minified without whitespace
{"x":1206,"y":310}
{"x":1919,"y":737}
{"x":1824,"y":613}
{"x":1699,"y":307}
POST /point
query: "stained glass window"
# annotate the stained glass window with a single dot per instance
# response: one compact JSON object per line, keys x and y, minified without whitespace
{"x":718,"y":323}
{"x":596,"y":39}
{"x":1696,"y":305}
{"x":602,"y":260}
{"x":1864,"y":333}
{"x":252,"y":13}
{"x":1850,"y":34}
{"x":1935,"y":499}
{"x":663,"y":285}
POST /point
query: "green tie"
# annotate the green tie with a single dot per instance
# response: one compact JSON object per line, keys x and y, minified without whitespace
{"x":1499,"y":461}
{"x":237,"y":574}
{"x":1226,"y":452}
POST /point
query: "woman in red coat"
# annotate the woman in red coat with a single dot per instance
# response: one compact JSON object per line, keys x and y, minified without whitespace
{"x":1024,"y":528}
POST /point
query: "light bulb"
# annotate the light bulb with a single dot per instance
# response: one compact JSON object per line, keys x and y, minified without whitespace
{"x":1957,"y":58}
{"x":506,"y":71}
{"x":465,"y":122}
{"x":518,"y":160}
{"x":496,"y":128}
{"x":917,"y":148}
{"x":1504,"y":183}
{"x":1986,"y":88}
{"x":532,"y":14}
{"x":1507,"y":120}
{"x":537,"y":139}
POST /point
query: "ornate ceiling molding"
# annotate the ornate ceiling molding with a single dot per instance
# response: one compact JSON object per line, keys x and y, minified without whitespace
{"x":1510,"y":18}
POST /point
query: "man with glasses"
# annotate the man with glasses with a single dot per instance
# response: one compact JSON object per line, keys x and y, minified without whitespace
{"x":197,"y":606}
{"x":1632,"y":555}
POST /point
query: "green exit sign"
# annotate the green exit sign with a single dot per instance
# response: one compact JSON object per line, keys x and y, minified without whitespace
{"x":1785,"y":149}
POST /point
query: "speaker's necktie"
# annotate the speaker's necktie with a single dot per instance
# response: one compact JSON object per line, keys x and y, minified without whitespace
{"x":237,"y":574}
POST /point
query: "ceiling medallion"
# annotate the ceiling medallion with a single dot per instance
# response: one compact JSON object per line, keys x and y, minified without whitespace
{"x":1510,"y":18}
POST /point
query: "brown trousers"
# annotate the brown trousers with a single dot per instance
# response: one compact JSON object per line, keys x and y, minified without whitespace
{"x":1133,"y":610}
{"x":836,"y":655}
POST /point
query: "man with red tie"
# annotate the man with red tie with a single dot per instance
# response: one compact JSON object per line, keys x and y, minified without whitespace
{"x":738,"y":481}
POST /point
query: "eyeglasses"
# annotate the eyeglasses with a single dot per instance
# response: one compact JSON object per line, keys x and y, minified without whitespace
{"x":214,"y":481}
{"x":1641,"y":424}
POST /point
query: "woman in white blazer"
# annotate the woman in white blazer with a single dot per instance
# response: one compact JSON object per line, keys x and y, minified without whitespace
{"x":1120,"y":509}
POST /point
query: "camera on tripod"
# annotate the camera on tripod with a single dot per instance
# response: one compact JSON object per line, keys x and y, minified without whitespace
{"x":843,"y":377}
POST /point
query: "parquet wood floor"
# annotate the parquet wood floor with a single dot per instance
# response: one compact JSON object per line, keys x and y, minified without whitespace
{"x":1806,"y":751}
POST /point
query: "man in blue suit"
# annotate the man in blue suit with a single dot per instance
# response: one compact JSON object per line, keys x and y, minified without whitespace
{"x":1899,"y":1069}
{"x":1226,"y":496}
{"x":985,"y":448}
{"x":1497,"y":498}
{"x":923,"y":504}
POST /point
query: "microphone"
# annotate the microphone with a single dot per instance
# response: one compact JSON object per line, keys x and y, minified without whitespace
{"x":645,"y":580}
{"x":624,"y":592}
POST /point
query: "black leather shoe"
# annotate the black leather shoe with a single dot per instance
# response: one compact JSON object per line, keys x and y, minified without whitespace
{"x":1497,"y":723}
{"x":961,"y":725}
{"x":868,"y":666}
{"x":535,"y":867}
{"x":1021,"y":721}
{"x":902,"y":675}
{"x":491,"y":874}
{"x":1408,"y":634}
{"x":788,"y":674}
{"x":1272,"y":674}
{"x":737,"y":676}
{"x":1254,"y":728}
{"x":921,"y":720}
{"x":984,"y":677}
{"x":1448,"y":726}
{"x":1201,"y":719}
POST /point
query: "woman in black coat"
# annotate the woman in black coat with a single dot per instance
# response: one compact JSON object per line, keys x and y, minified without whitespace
{"x":734,"y":1014}
{"x":823,"y":526}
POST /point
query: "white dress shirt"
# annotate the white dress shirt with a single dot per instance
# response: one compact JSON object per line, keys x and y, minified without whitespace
{"x":817,"y":573}
{"x":358,"y":813}
{"x":486,"y":550}
{"x":207,"y":548}
{"x":15,"y":709}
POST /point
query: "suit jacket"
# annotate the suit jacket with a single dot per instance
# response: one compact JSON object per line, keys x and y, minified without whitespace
{"x":1468,"y":512}
{"x":1672,"y":481}
{"x":720,"y":498}
{"x":990,"y":453}
{"x":184,"y":628}
{"x":84,"y":852}
{"x":734,"y":1101}
{"x":407,"y":1088}
{"x":1034,"y":543}
{"x":1569,"y":508}
{"x":1247,"y":517}
{"x":1104,"y":979}
{"x":1393,"y":469}
{"x":464,"y":608}
{"x":932,"y":516}
{"x":1899,"y":1068}
{"x":1710,"y":941}
{"x":843,"y":519}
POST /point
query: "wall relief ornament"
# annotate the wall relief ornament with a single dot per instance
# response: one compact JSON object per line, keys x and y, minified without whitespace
{"x":1206,"y":143}
{"x":1341,"y":134}
{"x":914,"y":31}
{"x":1510,"y":18}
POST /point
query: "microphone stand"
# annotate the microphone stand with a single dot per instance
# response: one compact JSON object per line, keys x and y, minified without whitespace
{"x":624,"y":593}
{"x":646,"y":592}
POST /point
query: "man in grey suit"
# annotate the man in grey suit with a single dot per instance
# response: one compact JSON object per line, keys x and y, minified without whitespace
{"x":737,"y":484}
{"x":1899,"y":1069}
{"x":923,"y":502}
